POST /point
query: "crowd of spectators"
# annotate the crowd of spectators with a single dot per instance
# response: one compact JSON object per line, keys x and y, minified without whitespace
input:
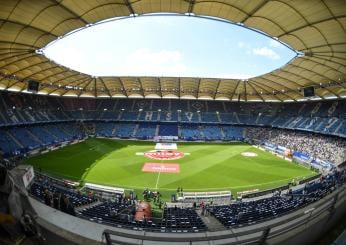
{"x":243,"y":213}
{"x":332,"y":149}
{"x":58,"y":195}
{"x":58,"y":201}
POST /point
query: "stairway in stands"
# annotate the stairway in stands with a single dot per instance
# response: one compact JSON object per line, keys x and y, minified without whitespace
{"x":211,"y":222}
{"x":33,"y":136}
{"x":135,"y":130}
{"x":14,"y":139}
{"x":236,"y":117}
{"x":89,"y":205}
{"x":157,"y":130}
{"x":222,"y":133}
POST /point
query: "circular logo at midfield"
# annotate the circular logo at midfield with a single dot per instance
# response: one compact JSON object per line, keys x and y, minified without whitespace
{"x":164,"y":155}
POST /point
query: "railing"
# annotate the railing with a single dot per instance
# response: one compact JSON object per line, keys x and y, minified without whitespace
{"x":273,"y":231}
{"x":218,"y":197}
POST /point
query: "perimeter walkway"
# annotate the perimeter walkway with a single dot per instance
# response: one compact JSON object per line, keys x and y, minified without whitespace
{"x":210,"y":221}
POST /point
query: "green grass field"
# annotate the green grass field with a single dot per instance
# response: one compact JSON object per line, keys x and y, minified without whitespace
{"x":210,"y":166}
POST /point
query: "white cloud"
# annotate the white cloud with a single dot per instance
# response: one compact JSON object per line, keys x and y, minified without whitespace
{"x":266,"y":52}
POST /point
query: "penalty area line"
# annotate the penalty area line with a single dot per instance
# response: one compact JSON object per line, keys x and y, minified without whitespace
{"x":157,"y":180}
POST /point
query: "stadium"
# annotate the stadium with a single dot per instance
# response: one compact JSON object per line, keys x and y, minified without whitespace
{"x":89,"y":159}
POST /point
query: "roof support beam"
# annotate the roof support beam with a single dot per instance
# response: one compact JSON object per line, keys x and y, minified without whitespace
{"x":198,"y":87}
{"x":59,"y":87}
{"x":21,"y":44}
{"x":281,"y":84}
{"x":318,"y":74}
{"x":330,"y":56}
{"x":235,"y":89}
{"x":60,"y":3}
{"x":304,"y":78}
{"x":27,"y":54}
{"x":160,"y":86}
{"x":53,"y":75}
{"x":123,"y":87}
{"x":10,"y":48}
{"x":139,"y":81}
{"x":129,"y":6}
{"x":217,"y":88}
{"x":332,"y":14}
{"x":83,"y":81}
{"x":33,"y":74}
{"x":64,"y":78}
{"x":191,"y":5}
{"x":245,"y":92}
{"x":323,"y":45}
{"x":329,"y":60}
{"x":310,"y":24}
{"x":312,"y":59}
{"x":16,"y":52}
{"x":95,"y":87}
{"x":179,"y":87}
{"x":258,"y":95}
{"x":254,"y":11}
{"x":24,"y":68}
{"x":104,"y":85}
{"x":25,"y":26}
{"x":261,"y":86}
{"x":86,"y":85}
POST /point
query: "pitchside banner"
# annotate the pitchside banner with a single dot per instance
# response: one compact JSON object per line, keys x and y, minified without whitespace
{"x":159,"y":167}
{"x":269,"y":146}
{"x":166,"y":138}
{"x":28,"y":176}
{"x":320,"y":163}
{"x":302,"y":156}
{"x":166,"y":146}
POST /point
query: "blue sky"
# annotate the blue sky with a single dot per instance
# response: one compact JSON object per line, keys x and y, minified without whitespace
{"x":169,"y":46}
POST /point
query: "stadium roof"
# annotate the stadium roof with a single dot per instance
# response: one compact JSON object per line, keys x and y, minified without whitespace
{"x":316,"y":29}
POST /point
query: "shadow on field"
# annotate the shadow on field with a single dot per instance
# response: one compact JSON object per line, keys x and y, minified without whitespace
{"x":74,"y":161}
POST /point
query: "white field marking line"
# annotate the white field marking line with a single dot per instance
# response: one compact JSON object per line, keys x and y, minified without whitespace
{"x":205,"y":189}
{"x":157,"y":180}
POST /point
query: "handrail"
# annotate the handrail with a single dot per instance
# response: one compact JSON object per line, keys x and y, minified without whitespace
{"x":252,"y":233}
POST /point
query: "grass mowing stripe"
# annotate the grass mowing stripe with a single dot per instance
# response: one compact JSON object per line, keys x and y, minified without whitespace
{"x":210,"y":166}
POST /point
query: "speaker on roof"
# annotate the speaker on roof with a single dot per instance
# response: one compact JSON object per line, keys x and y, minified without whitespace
{"x":33,"y":86}
{"x":309,"y":91}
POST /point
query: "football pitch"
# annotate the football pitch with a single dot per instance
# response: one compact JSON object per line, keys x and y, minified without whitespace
{"x":204,"y":166}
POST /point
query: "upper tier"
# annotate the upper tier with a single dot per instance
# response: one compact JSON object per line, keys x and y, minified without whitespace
{"x":327,"y":117}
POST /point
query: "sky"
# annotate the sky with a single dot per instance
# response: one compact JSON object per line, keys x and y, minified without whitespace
{"x":178,"y":46}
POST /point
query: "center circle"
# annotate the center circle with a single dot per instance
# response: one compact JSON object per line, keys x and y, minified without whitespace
{"x":164,"y":155}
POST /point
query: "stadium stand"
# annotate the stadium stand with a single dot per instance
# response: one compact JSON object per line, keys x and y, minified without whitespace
{"x":54,"y":193}
{"x":313,"y":128}
{"x":318,"y":146}
{"x":181,"y":220}
{"x":212,"y":133}
{"x":168,"y":130}
{"x":31,"y":122}
{"x":250,"y":212}
{"x":146,"y":131}
{"x":121,"y":214}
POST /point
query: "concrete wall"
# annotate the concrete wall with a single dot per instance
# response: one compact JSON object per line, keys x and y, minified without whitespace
{"x":303,"y":226}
